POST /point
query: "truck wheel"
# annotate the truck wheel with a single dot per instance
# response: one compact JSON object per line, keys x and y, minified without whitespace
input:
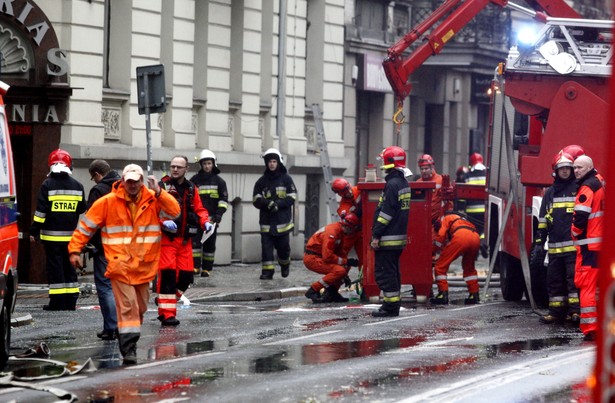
{"x":5,"y":333}
{"x":511,"y":277}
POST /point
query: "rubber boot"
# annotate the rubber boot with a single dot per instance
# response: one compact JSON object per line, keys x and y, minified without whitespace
{"x":440,"y":299}
{"x":388,"y":309}
{"x":331,"y":294}
{"x":267,"y":275}
{"x":285,"y":270}
{"x":56,"y":303}
{"x":128,"y":347}
{"x":70,"y":301}
{"x":472,"y":299}
{"x":313,"y":295}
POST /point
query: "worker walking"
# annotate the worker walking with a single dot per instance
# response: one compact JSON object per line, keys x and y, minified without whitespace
{"x":105,"y":177}
{"x":586,"y":230}
{"x":176,"y":268}
{"x":214,"y":197}
{"x":129,"y":220}
{"x":325,"y":254}
{"x":477,"y":175}
{"x":390,"y":230}
{"x":456,"y":236}
{"x":61,"y":199}
{"x":274,"y":195}
{"x":554,"y":221}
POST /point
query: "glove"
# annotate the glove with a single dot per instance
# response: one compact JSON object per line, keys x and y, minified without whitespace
{"x":217,"y":219}
{"x":343,"y":214}
{"x":208,"y":226}
{"x":169,"y":225}
{"x":272,"y":206}
{"x":537,"y":256}
{"x":347,"y":282}
{"x":352,"y":262}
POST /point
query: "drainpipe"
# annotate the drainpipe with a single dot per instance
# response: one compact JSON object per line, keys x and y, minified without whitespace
{"x":281,"y":107}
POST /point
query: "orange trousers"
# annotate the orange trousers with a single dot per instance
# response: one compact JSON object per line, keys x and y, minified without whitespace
{"x":586,"y":280}
{"x":333,"y":273}
{"x":465,"y":243}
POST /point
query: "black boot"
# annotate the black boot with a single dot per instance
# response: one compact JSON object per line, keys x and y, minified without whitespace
{"x":472,"y":299}
{"x":331,"y":294}
{"x":387,"y":310}
{"x":267,"y":275}
{"x":285,"y":270}
{"x":313,"y":295}
{"x":128,"y":347}
{"x":440,"y":299}
{"x":56,"y":303}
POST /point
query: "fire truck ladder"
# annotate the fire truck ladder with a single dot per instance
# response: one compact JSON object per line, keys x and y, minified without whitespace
{"x":324,"y":162}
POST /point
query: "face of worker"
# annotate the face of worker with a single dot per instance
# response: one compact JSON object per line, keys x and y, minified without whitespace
{"x":426,"y":171}
{"x":178,"y":168}
{"x":133,"y":187}
{"x":272,"y":164}
{"x":207,"y":166}
{"x":346,"y":193}
{"x":580,"y":169}
{"x":564,"y":172}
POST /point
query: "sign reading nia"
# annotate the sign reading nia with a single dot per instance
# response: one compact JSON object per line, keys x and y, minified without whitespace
{"x":32,"y":113}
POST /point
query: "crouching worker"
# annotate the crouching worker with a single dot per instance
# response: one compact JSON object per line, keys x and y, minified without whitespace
{"x":325,"y":254}
{"x":456,"y":236}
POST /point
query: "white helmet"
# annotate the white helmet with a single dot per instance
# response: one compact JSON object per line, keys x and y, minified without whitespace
{"x":208,"y":155}
{"x":271,"y":152}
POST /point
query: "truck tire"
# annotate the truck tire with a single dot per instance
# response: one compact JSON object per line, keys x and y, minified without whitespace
{"x":5,"y":331}
{"x":511,"y":277}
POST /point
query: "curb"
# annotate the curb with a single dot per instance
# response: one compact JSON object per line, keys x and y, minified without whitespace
{"x":21,"y":319}
{"x":252,"y":295}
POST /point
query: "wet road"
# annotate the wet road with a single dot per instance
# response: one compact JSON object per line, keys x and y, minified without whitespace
{"x":291,"y":350}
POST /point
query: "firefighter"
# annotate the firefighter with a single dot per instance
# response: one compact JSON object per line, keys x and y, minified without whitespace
{"x":274,"y":195}
{"x":587,"y":236}
{"x":61,"y":199}
{"x":176,"y":267}
{"x":477,"y":175}
{"x":325,"y":254}
{"x":460,"y":177}
{"x":390,"y":230}
{"x":350,"y":202}
{"x":214,"y":197}
{"x":130,"y":228}
{"x":427,"y":168}
{"x":456,"y":236}
{"x":554,"y":221}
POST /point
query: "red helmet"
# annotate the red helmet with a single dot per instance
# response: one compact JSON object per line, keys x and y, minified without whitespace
{"x":476,"y":158}
{"x":562,"y":159}
{"x":60,"y":155}
{"x":351,"y":220}
{"x":425,"y":160}
{"x":340,"y":186}
{"x":574,"y":151}
{"x":393,"y":157}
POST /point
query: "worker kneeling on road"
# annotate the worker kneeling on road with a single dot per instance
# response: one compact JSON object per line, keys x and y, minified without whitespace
{"x":325,"y":254}
{"x":456,"y":236}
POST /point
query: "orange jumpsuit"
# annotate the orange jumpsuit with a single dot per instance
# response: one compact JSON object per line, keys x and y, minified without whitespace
{"x":353,"y":205}
{"x":324,"y":254}
{"x":586,"y":231}
{"x":438,"y":204}
{"x":458,"y":237}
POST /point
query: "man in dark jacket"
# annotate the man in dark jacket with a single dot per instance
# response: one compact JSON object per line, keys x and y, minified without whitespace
{"x":61,"y":200}
{"x":390,"y":230}
{"x":214,"y":196}
{"x":274,"y":195}
{"x":101,"y":173}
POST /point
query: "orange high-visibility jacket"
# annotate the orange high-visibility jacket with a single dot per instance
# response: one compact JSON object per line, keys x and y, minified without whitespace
{"x":451,"y":222}
{"x":132,"y":246}
{"x":588,"y":213}
{"x":328,"y":242}
{"x":438,"y":204}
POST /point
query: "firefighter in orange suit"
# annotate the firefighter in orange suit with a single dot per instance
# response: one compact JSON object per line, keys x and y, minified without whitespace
{"x":456,"y":236}
{"x":176,"y":268}
{"x":350,"y":202}
{"x":427,"y":168}
{"x":325,"y":254}
{"x":587,"y":236}
{"x":128,"y":218}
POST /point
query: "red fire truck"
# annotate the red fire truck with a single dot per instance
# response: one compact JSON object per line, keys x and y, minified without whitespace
{"x":9,"y":235}
{"x":545,"y":96}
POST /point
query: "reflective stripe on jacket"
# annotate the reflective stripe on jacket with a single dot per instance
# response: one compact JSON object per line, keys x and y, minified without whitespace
{"x":390,"y":223}
{"x":589,"y":212}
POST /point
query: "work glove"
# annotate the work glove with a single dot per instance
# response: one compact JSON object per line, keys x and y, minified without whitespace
{"x":347,"y":282}
{"x":217,"y":219}
{"x":208,"y":226}
{"x":272,"y":206}
{"x":169,"y":225}
{"x":537,"y":256}
{"x":352,"y":262}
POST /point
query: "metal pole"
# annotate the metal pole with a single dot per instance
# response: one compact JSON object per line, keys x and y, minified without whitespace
{"x":148,"y":127}
{"x":281,"y":106}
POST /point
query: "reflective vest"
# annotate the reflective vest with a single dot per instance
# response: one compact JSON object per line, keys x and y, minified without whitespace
{"x":589,"y":212}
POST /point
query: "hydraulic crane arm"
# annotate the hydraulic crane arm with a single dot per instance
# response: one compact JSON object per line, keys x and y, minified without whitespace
{"x":398,"y":69}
